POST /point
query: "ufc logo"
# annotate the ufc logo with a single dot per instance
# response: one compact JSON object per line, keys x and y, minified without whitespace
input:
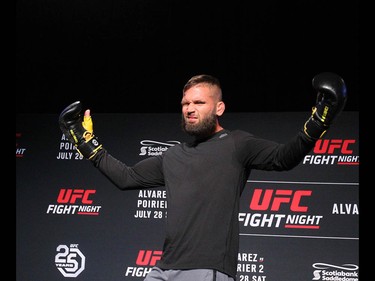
{"x":71,"y":195}
{"x":148,"y":257}
{"x":272,"y":200}
{"x":330,"y":146}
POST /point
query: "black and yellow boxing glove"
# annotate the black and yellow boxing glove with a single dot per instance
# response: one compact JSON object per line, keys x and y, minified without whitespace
{"x":330,"y":101}
{"x":79,"y":130}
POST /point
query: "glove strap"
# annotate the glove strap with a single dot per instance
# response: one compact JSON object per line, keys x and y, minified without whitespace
{"x":314,"y":128}
{"x":89,"y":148}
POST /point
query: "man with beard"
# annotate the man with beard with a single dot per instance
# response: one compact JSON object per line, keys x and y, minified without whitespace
{"x":204,"y":179}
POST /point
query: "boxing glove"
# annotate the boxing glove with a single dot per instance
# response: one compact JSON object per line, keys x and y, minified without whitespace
{"x":79,"y":130}
{"x":331,"y":99}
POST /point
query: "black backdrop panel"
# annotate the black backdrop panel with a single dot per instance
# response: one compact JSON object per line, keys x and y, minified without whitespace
{"x":71,"y":222}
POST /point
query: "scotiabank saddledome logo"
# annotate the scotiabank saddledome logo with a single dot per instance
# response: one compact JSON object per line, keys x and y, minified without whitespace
{"x":333,"y":152}
{"x":345,"y":272}
{"x":74,"y":201}
{"x":155,"y":148}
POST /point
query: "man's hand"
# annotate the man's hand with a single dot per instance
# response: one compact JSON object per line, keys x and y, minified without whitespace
{"x":79,"y":129}
{"x":330,"y":101}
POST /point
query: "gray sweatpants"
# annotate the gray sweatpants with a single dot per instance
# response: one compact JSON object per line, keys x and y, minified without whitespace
{"x":157,"y":274}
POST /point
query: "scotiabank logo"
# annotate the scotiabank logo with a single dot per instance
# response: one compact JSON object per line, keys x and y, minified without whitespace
{"x":144,"y":262}
{"x":333,"y":152}
{"x":73,"y":201}
{"x":155,"y":148}
{"x":326,"y":271}
{"x":267,"y":207}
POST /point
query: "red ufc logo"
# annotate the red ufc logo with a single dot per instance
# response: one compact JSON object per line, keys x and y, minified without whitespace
{"x":329,"y":146}
{"x":71,"y":195}
{"x":272,"y":200}
{"x":147,"y":257}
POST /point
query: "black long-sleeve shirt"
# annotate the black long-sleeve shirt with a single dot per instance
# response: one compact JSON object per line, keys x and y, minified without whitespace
{"x":204,"y":181}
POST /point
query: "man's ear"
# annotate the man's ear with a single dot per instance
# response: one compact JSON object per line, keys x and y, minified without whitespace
{"x":220,"y":108}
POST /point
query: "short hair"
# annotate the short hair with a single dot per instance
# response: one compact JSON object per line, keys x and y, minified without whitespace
{"x":203,"y":79}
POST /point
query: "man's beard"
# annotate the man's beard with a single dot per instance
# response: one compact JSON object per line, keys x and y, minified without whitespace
{"x":201,"y":130}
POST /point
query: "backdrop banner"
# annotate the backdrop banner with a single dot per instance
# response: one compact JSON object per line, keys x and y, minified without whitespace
{"x":72,"y":223}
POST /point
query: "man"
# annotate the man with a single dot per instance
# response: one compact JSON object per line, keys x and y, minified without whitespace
{"x":204,"y":179}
